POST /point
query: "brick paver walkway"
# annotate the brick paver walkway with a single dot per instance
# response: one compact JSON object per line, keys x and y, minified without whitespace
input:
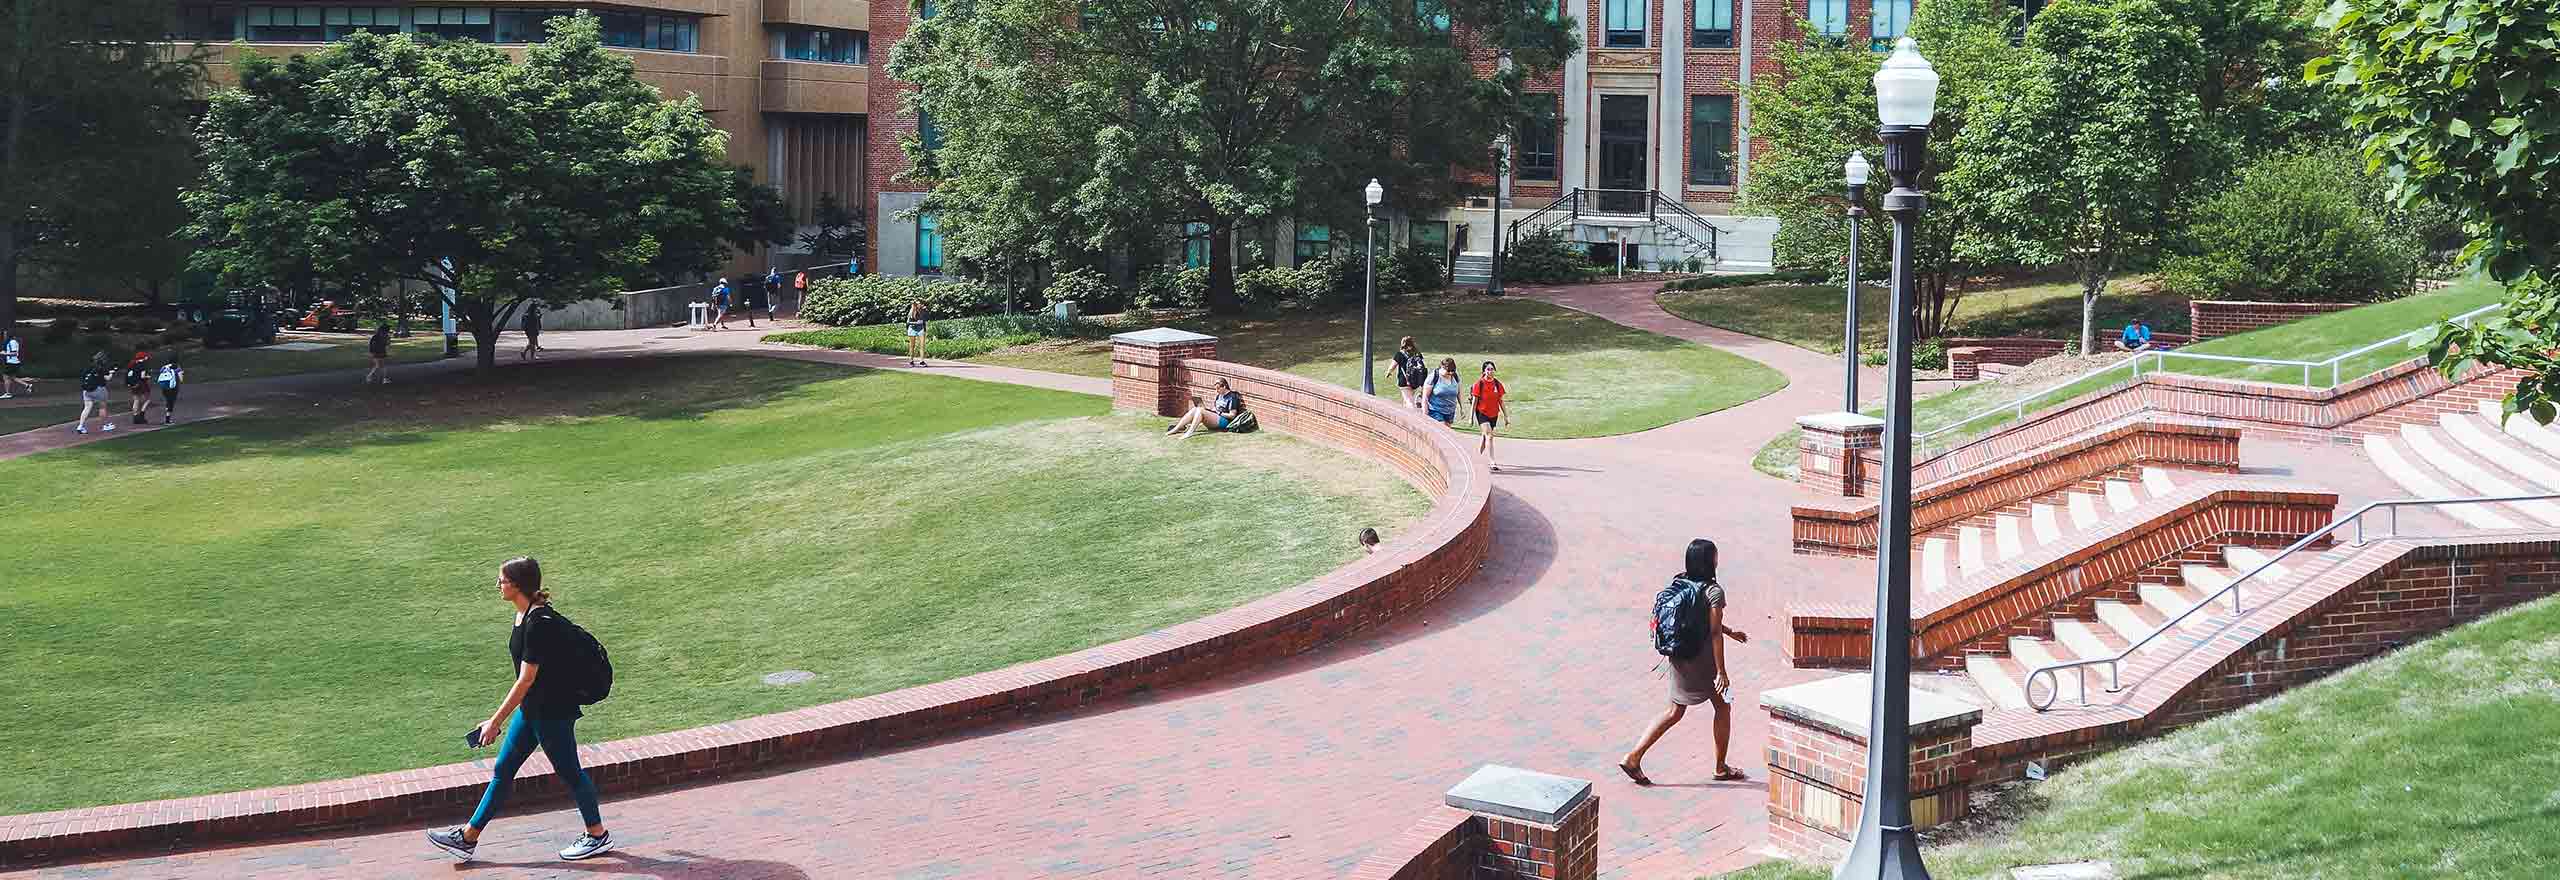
{"x":1297,"y":771}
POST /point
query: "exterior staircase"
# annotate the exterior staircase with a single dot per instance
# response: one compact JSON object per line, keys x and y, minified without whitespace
{"x":1950,"y":556}
{"x":2472,"y":454}
{"x":1472,"y":269}
{"x":2114,"y":625}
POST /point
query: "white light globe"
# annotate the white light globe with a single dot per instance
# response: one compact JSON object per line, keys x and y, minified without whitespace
{"x":1374,"y":192}
{"x":1906,"y":88}
{"x":1856,"y":169}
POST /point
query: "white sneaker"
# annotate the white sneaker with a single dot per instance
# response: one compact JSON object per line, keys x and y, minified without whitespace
{"x":6,"y":395}
{"x":79,"y":430}
{"x":588,"y":846}
{"x":110,"y":426}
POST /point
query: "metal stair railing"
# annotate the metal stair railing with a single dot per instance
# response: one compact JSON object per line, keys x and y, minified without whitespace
{"x":2052,"y":673}
{"x":1682,"y":212}
{"x":1570,"y":204}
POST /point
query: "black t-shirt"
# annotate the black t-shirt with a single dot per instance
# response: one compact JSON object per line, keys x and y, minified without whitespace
{"x":1229,"y":403}
{"x":137,"y":374}
{"x":93,"y":378}
{"x":540,"y":639}
{"x":379,"y":346}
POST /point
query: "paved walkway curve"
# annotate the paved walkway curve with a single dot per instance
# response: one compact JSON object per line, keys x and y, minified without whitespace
{"x":1297,"y":771}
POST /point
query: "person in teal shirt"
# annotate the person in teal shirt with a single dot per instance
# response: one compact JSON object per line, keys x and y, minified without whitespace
{"x":1443,"y":404}
{"x":2136,"y":337}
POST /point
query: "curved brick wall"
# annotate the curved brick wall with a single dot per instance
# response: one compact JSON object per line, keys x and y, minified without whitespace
{"x":1432,"y":556}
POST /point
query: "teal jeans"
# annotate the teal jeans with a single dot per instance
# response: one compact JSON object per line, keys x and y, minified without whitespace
{"x":558,"y":739}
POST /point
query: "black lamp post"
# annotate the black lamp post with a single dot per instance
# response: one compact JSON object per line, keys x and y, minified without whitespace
{"x":1886,"y":846}
{"x":1855,"y":173}
{"x":1369,"y":283}
{"x":1501,"y":164}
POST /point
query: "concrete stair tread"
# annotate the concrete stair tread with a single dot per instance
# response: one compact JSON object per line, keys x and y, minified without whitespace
{"x":2129,"y":620}
{"x":2387,"y":457}
{"x":2156,"y":482}
{"x":2048,"y":529}
{"x":2084,"y":511}
{"x":2206,"y":580}
{"x":2470,"y":433}
{"x":1969,"y":549}
{"x":2522,"y":428}
{"x":2005,"y":538}
{"x":2424,"y":444}
{"x":2033,"y":653}
{"x":2243,"y":560}
{"x":1999,"y":679}
{"x":1933,"y":565}
{"x":2120,"y":496}
{"x":2169,"y":601}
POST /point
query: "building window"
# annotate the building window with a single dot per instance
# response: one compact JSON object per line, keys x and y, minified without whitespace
{"x":312,"y":24}
{"x":1829,"y":18}
{"x":527,"y":25}
{"x":283,"y":24}
{"x":1430,"y":237}
{"x":1433,"y":14}
{"x":665,"y":33}
{"x":1892,"y":18}
{"x":1195,"y":245}
{"x":346,"y":21}
{"x":1624,"y":24}
{"x":220,"y":24}
{"x":1536,"y":146}
{"x":928,"y":244}
{"x":927,"y":133}
{"x":1712,"y":24}
{"x":1711,"y":140}
{"x":455,"y":22}
{"x":823,"y":44}
{"x":924,"y":9}
{"x":1314,"y":242}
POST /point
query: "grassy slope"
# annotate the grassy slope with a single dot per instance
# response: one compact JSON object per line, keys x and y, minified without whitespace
{"x":2431,"y":762}
{"x":2310,"y":339}
{"x":1570,"y":374}
{"x":279,"y":598}
{"x":1808,"y":315}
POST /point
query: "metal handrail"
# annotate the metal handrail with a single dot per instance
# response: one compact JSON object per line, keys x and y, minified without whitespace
{"x":1681,"y":210}
{"x":2053,"y":672}
{"x":2159,"y":361}
{"x":1571,"y":202}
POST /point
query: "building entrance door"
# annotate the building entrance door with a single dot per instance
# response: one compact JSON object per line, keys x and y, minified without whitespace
{"x":1624,"y":132}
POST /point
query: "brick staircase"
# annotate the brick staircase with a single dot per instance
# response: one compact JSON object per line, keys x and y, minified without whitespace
{"x":2472,"y":454}
{"x":1951,"y":555}
{"x":2113,"y":624}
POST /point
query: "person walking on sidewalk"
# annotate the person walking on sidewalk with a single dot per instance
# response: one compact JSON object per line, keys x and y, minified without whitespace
{"x":171,"y":376}
{"x":531,"y":324}
{"x":1442,"y":404}
{"x":915,"y":333}
{"x":93,"y":394}
{"x":720,"y":305}
{"x":379,"y":349}
{"x":1412,"y":372}
{"x":1696,"y":657}
{"x":799,"y":291}
{"x":541,"y":710}
{"x":137,"y":386}
{"x":12,"y":361}
{"x":1490,"y":412}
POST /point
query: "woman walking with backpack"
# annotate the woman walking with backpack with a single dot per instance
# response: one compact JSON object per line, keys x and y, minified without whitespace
{"x":541,"y":710}
{"x":1412,"y":371}
{"x":1701,"y":676}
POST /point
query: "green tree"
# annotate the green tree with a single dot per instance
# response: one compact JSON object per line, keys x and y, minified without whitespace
{"x":384,"y":158}
{"x":2298,"y":227}
{"x":836,"y":230}
{"x":1062,"y":127}
{"x":92,"y":116}
{"x":2084,"y":160}
{"x":1823,"y":105}
{"x":2454,"y":99}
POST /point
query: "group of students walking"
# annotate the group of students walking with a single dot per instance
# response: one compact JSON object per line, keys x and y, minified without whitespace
{"x":759,"y":295}
{"x":1435,"y":392}
{"x":141,"y":382}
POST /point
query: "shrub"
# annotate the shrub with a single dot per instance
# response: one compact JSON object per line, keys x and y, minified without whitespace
{"x":958,"y":338}
{"x":880,"y":299}
{"x":2297,"y":227}
{"x":1928,"y":355}
{"x":1754,"y":279}
{"x":1546,"y":258}
{"x":1280,"y":286}
{"x":1171,"y":288}
{"x":61,"y":330}
{"x":101,"y":325}
{"x":1092,"y":293}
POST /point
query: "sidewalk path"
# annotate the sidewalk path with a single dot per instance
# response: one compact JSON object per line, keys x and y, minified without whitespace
{"x":1299,"y":770}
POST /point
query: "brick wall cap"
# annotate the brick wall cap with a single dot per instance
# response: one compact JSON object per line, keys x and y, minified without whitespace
{"x":1160,"y":337}
{"x":1841,"y":704}
{"x":1840,"y":422}
{"x":1526,"y":795}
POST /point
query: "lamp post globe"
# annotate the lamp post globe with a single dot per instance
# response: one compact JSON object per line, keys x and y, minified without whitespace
{"x":1854,"y":173}
{"x":1370,"y":196}
{"x":1886,"y":845}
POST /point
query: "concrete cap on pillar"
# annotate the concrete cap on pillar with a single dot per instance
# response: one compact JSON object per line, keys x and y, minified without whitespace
{"x":1160,"y":337}
{"x":1526,"y":795}
{"x":1841,"y":704}
{"x":1839,"y":422}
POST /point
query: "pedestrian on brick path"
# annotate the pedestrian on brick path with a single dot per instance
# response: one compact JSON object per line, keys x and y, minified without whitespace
{"x":531,"y":324}
{"x":171,"y":376}
{"x":12,"y":360}
{"x":93,"y":394}
{"x":1443,"y":404}
{"x":379,"y":349}
{"x":1412,"y":372}
{"x":540,"y":710}
{"x":915,"y":332}
{"x":137,"y":387}
{"x":1702,"y":677}
{"x":799,"y":290}
{"x":720,"y":305}
{"x":765,"y":298}
{"x":1490,"y":412}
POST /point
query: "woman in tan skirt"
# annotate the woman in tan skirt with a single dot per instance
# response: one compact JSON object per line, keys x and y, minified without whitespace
{"x":1703,"y":678}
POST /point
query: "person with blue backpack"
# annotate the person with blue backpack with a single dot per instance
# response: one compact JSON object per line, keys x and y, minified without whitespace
{"x":559,"y":667}
{"x":1689,"y":632}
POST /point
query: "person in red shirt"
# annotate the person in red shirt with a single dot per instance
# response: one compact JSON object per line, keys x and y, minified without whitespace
{"x":1487,"y":394}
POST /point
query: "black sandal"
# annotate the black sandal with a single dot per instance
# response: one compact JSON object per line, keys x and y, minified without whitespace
{"x":1635,"y":773}
{"x":1728,"y":774}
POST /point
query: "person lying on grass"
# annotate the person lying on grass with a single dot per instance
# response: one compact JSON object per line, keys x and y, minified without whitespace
{"x":1221,"y":414}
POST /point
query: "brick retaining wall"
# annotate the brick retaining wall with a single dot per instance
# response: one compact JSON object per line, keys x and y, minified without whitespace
{"x":1427,"y":560}
{"x":2210,"y":318}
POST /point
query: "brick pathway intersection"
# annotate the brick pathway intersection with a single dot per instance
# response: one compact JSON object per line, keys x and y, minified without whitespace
{"x":1297,"y":771}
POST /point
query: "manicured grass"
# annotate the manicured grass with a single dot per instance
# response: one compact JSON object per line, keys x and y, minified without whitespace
{"x":952,"y":339}
{"x":306,"y":594}
{"x":14,"y":419}
{"x":2310,"y":339}
{"x":1569,"y":374}
{"x":2424,"y":763}
{"x":1809,"y":315}
{"x":62,"y":361}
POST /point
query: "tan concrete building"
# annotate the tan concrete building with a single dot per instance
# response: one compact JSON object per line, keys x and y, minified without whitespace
{"x":788,"y":80}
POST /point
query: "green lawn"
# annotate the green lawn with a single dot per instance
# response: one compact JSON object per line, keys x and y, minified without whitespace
{"x":1808,"y":315}
{"x":63,"y":361}
{"x":2430,"y":762}
{"x":14,"y":419}
{"x":289,"y":596}
{"x":952,"y":339}
{"x":1569,"y":374}
{"x":2311,"y":339}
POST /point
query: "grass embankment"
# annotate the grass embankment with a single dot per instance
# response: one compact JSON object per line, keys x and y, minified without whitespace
{"x":2429,"y":762}
{"x":1569,"y":374}
{"x":1808,"y":315}
{"x":305,"y":592}
{"x":2310,"y":339}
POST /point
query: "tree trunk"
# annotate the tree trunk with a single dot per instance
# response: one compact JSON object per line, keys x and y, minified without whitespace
{"x":2093,"y":278}
{"x":1222,"y":269}
{"x":11,"y":139}
{"x":480,"y":318}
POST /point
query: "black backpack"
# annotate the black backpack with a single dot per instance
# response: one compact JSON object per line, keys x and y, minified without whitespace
{"x":589,"y":669}
{"x":1679,"y":621}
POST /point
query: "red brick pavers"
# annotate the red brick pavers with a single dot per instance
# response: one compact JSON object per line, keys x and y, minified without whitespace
{"x":1541,"y":662}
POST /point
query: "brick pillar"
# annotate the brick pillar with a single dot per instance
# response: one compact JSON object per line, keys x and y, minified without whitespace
{"x":1964,"y":363}
{"x":1818,"y":762}
{"x":1535,"y":825}
{"x":1827,"y":455}
{"x":1142,"y":368}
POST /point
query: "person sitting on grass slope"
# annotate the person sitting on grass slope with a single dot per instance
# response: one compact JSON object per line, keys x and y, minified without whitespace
{"x":1222,"y":414}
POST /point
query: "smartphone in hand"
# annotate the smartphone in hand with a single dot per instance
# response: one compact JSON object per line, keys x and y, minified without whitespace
{"x":472,"y":737}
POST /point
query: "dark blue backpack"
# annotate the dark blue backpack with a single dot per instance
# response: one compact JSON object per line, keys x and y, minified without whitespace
{"x":1679,"y":621}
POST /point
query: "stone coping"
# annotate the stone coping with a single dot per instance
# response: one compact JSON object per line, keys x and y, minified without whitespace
{"x":1444,"y":547}
{"x":1841,"y":704}
{"x":1159,"y":337}
{"x":1837,"y":422}
{"x":1526,"y":795}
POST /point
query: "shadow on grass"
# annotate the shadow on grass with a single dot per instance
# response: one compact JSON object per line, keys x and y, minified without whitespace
{"x":321,"y":425}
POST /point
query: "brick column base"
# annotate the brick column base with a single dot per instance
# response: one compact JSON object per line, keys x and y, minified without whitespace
{"x":1827,"y":457}
{"x":1818,"y":762}
{"x":1142,"y":369}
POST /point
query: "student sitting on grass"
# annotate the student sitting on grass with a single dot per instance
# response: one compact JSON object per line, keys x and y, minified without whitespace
{"x":2136,"y":336}
{"x":1222,"y":414}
